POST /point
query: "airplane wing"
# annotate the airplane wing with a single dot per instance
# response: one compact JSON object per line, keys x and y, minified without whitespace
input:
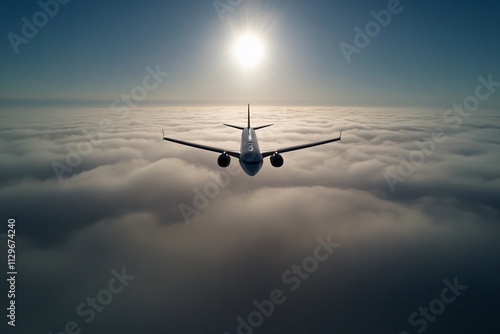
{"x":204,"y":147}
{"x":300,"y":147}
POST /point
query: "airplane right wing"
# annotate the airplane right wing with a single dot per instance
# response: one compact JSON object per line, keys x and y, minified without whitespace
{"x":300,"y":147}
{"x":204,"y":147}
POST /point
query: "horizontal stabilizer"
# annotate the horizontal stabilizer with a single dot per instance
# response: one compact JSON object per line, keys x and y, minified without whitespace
{"x":234,"y":126}
{"x":262,"y":127}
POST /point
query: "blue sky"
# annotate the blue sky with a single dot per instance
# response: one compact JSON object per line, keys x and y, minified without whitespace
{"x":430,"y":54}
{"x":410,"y":193}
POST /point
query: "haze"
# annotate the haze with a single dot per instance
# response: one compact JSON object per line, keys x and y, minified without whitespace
{"x":393,"y":230}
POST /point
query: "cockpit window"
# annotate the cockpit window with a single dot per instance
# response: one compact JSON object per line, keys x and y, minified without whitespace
{"x":252,"y":162}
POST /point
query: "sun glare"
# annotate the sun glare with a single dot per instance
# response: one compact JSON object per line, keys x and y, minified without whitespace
{"x":248,"y":50}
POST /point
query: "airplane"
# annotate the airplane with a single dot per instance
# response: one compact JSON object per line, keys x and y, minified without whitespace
{"x":250,"y":156}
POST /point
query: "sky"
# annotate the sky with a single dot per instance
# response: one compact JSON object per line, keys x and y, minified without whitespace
{"x":90,"y":52}
{"x":394,"y":229}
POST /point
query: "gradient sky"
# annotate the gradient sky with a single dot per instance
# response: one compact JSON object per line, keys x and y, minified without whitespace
{"x":93,"y":51}
{"x":96,"y":191}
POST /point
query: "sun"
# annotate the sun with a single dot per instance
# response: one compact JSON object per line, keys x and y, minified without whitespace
{"x":248,"y":50}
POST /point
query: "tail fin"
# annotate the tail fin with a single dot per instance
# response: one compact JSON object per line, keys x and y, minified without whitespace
{"x":242,"y":128}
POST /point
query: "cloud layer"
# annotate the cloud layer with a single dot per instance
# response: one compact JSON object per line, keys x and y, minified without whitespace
{"x":117,"y":206}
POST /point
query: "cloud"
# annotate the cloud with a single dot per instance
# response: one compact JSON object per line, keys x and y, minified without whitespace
{"x":120,"y":208}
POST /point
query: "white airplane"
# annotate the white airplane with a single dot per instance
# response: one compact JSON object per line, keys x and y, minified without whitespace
{"x":249,"y":155}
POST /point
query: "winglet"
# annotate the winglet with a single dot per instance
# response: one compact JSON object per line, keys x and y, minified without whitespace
{"x":340,"y":136}
{"x":163,"y":133}
{"x":249,"y":115}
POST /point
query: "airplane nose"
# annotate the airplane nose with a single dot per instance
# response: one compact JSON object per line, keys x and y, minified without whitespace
{"x":251,"y":162}
{"x":251,"y":170}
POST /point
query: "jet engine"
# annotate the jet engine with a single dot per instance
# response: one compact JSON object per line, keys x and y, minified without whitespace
{"x":224,"y":160}
{"x":276,"y":160}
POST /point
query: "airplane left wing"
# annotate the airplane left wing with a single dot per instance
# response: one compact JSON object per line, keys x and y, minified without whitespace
{"x":204,"y":147}
{"x":300,"y":147}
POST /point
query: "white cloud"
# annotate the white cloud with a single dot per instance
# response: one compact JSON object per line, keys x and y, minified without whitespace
{"x":120,"y":208}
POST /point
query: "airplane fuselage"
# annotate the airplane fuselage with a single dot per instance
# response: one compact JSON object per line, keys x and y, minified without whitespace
{"x":251,"y":159}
